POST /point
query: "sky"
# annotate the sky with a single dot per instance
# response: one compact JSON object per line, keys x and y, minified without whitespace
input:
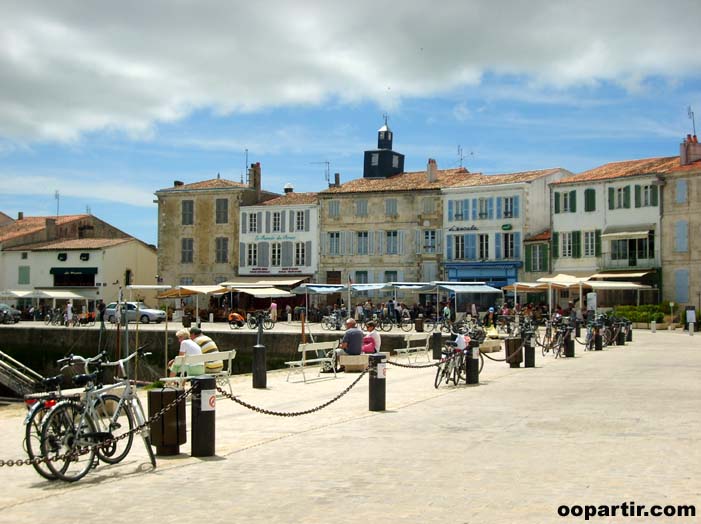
{"x":108,"y":102}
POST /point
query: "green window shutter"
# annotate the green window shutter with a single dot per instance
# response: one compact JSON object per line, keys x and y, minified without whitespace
{"x":577,"y":244}
{"x":626,"y":197}
{"x":557,"y":202}
{"x":653,"y":195}
{"x":544,"y":258}
{"x":612,"y":197}
{"x":589,"y":200}
{"x":597,"y":242}
{"x":573,"y":201}
{"x":527,"y":262}
{"x":556,"y":246}
{"x":637,"y":196}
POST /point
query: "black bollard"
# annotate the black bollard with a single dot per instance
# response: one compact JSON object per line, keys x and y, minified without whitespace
{"x":598,"y":341}
{"x":168,"y":431}
{"x":472,"y":363}
{"x":577,"y":329}
{"x":204,"y":394}
{"x":377,"y":382}
{"x":529,"y":350}
{"x":629,"y":332}
{"x":437,"y":345}
{"x":569,"y":345}
{"x":513,"y":345}
{"x":621,"y":338}
{"x":260,"y":377}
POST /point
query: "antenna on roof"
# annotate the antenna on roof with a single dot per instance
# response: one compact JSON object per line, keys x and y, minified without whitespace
{"x":691,"y":115}
{"x":460,"y":155}
{"x":57,"y":196}
{"x":87,"y":210}
{"x":386,"y":117}
{"x":245,"y":167}
{"x":327,"y":170}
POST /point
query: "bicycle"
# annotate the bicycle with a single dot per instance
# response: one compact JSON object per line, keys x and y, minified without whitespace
{"x":446,"y":367}
{"x":38,"y":407}
{"x":253,"y":320}
{"x":388,"y":322}
{"x":77,"y":435}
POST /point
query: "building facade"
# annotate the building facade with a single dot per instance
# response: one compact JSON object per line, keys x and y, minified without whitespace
{"x":681,"y":222}
{"x":198,"y":228}
{"x":485,"y":220}
{"x":280,"y":236}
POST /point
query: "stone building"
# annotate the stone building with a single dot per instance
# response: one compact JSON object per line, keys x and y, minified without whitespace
{"x":681,"y":223}
{"x":280,"y":236}
{"x":487,"y":217}
{"x":198,"y":228}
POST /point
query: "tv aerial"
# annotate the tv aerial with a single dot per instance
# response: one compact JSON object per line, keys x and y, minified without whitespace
{"x":327,"y":169}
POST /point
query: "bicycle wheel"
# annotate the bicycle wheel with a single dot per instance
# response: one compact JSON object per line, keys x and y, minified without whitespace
{"x":47,"y":319}
{"x":268,"y":323}
{"x":67,"y":441}
{"x":445,"y":326}
{"x":138,"y":412}
{"x":429,"y":325}
{"x":32,"y":438}
{"x":112,"y":416}
{"x":439,"y":374}
{"x":252,"y":324}
{"x":458,"y":369}
{"x":406,"y":324}
{"x":386,"y":324}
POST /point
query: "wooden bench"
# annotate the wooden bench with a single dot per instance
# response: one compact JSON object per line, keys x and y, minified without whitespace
{"x":185,"y":361}
{"x":490,"y":346}
{"x":416,"y":343}
{"x":320,"y":352}
{"x":356,"y":362}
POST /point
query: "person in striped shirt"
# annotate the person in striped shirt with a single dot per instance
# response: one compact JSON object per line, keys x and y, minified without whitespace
{"x":207,"y":345}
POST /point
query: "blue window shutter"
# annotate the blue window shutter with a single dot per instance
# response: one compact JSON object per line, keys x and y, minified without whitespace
{"x":400,"y":242}
{"x":490,"y":208}
{"x":292,"y":223}
{"x":499,"y":199}
{"x":449,"y":247}
{"x":474,"y":209}
{"x":497,"y":245}
{"x":465,"y":209}
{"x":267,"y":221}
{"x":244,"y":222}
{"x":418,"y":234}
{"x":286,"y":254}
{"x":517,"y":245}
{"x":259,"y":222}
{"x":306,"y":220}
{"x":282,"y":221}
{"x":242,"y":254}
{"x":263,"y":250}
{"x":450,"y":210}
{"x":516,"y":210}
{"x":371,"y":243}
{"x":681,"y":236}
{"x":307,"y":253}
{"x":471,"y":246}
{"x":681,"y":286}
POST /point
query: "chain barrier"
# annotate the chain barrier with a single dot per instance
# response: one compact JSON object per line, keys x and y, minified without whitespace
{"x":108,"y":442}
{"x":506,"y":359}
{"x":290,"y":413}
{"x":452,"y":356}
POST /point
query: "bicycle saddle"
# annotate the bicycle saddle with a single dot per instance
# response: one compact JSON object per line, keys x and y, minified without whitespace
{"x":52,"y":382}
{"x":85,"y":378}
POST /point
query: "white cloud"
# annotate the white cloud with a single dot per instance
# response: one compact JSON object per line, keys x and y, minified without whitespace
{"x":72,"y":67}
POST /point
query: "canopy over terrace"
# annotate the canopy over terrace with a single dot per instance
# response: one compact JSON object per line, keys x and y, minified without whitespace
{"x":188,"y":291}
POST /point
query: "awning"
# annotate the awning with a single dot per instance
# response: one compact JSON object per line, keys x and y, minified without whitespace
{"x":319,"y":289}
{"x":469,"y":288}
{"x":413,"y":286}
{"x":621,"y":275}
{"x":563,"y":280}
{"x":264,"y":292}
{"x":615,"y":285}
{"x":258,"y":282}
{"x":627,"y":232}
{"x":526,"y":287}
{"x":61,"y":295}
{"x":206,"y":290}
{"x":73,"y":271}
{"x":367,"y":287}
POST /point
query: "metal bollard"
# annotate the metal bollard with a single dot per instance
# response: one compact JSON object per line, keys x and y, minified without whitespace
{"x":577,"y":329}
{"x":377,"y":382}
{"x":621,"y":338}
{"x":653,"y":326}
{"x":529,"y":350}
{"x":598,"y":341}
{"x":168,"y":431}
{"x":629,"y":333}
{"x":204,"y":394}
{"x":260,"y":373}
{"x":513,"y":345}
{"x":437,"y":345}
{"x":569,"y":345}
{"x":472,"y":363}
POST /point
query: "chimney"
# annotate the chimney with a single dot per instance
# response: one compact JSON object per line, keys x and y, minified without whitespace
{"x":432,"y":170}
{"x":254,"y":179}
{"x":289,"y":188}
{"x":689,"y":151}
{"x":337,"y":179}
{"x":178,"y":183}
{"x":20,"y":215}
{"x":50,"y":229}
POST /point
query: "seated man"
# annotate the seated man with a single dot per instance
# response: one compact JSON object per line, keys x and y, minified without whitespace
{"x":187,"y":347}
{"x":207,"y":345}
{"x":352,"y":341}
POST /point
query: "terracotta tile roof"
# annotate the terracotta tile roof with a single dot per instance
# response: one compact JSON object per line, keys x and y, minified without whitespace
{"x":507,"y":178}
{"x":214,"y":183}
{"x":693,"y":166}
{"x":292,"y":199}
{"x":29,"y":225}
{"x":79,"y":243}
{"x":645,"y":166}
{"x":412,"y":181}
{"x":545,"y":235}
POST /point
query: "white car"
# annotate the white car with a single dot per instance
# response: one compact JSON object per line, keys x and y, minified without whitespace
{"x":146,"y":314}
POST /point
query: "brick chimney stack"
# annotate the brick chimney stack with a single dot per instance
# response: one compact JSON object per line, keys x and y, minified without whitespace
{"x":690,"y":150}
{"x":432,"y":170}
{"x":254,"y":181}
{"x":50,"y":229}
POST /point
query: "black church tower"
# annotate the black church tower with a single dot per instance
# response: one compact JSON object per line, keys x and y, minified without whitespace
{"x":383,"y":162}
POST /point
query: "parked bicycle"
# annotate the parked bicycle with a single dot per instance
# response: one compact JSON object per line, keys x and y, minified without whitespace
{"x":77,"y":435}
{"x":253,"y":319}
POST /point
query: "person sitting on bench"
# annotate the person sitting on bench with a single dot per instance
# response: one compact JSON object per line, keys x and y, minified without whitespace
{"x":352,"y":342}
{"x":187,"y":347}
{"x":371,"y":341}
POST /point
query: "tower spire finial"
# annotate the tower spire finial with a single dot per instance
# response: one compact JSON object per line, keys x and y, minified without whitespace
{"x":386,"y":117}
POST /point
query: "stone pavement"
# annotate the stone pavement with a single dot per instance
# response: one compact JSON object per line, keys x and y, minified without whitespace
{"x":603,"y":428}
